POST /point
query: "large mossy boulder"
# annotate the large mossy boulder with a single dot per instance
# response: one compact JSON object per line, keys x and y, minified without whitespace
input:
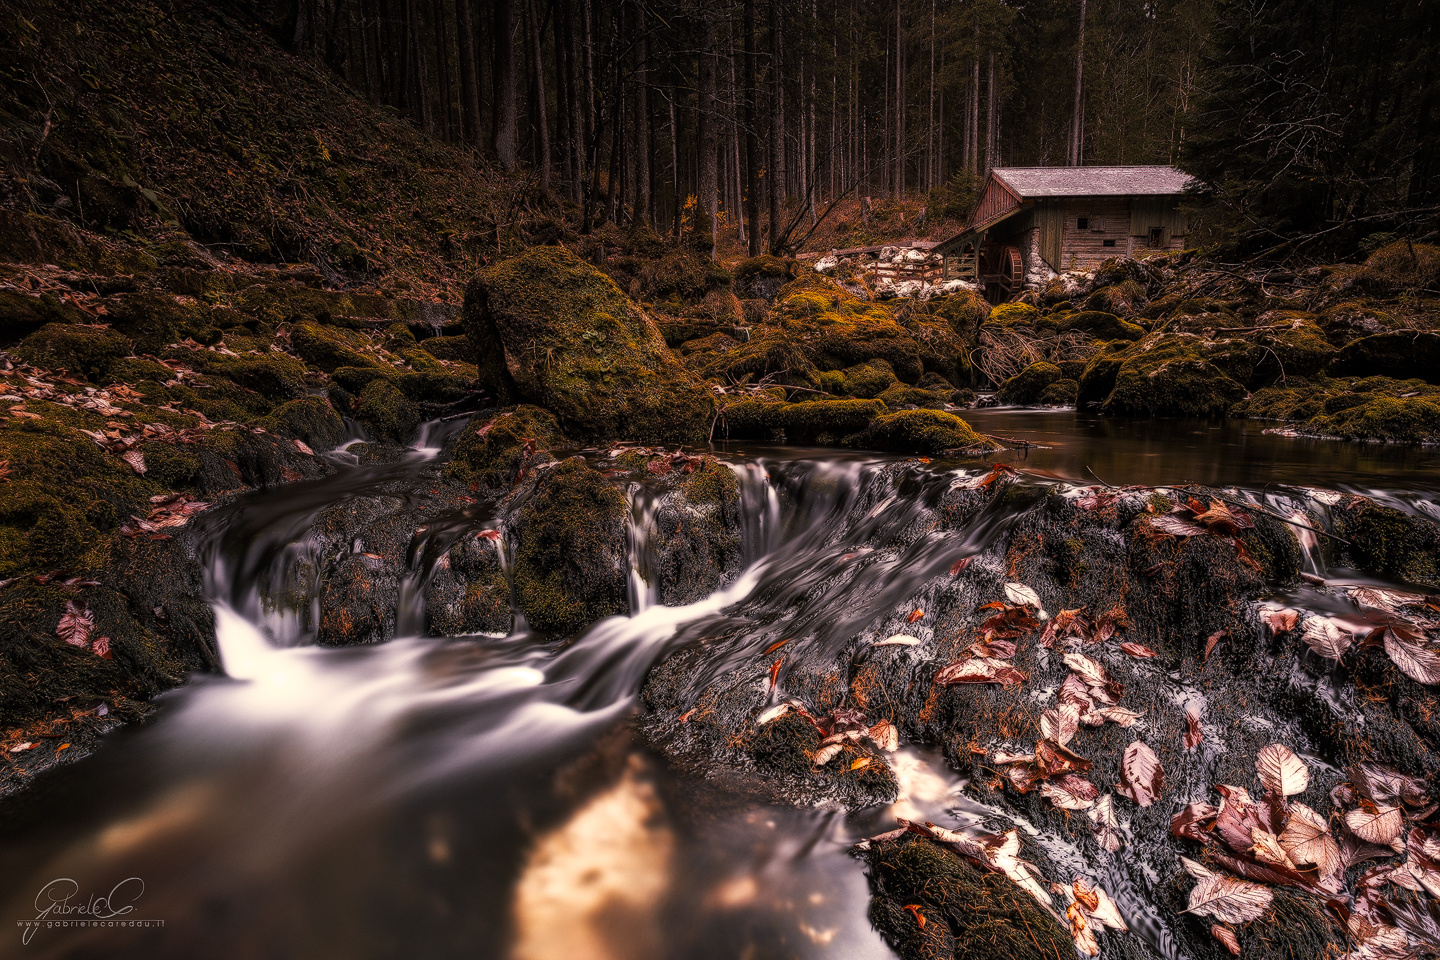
{"x":552,"y":330}
{"x":814,"y":421}
{"x":1026,"y":386}
{"x":1383,"y":417}
{"x":1402,"y":266}
{"x":311,"y":420}
{"x":1101,"y":325}
{"x":1402,"y":355}
{"x":918,"y":431}
{"x":387,"y":412}
{"x":1170,"y":375}
{"x":88,"y":351}
{"x":1389,"y":541}
{"x":570,"y":565}
{"x":868,"y":380}
{"x":1097,"y":378}
{"x":326,"y":348}
{"x":468,"y":592}
{"x":761,"y":278}
{"x":835,"y":329}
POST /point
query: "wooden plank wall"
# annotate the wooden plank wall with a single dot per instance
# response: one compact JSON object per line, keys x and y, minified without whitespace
{"x":1050,"y":218}
{"x":1109,"y":221}
{"x":996,"y":201}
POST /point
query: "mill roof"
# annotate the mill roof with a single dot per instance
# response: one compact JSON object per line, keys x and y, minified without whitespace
{"x":1157,"y":180}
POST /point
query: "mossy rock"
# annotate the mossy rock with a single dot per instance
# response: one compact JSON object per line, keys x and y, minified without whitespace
{"x":468,"y":592}
{"x":490,"y":454}
{"x":387,"y":412}
{"x":153,"y":320}
{"x":762,"y":277}
{"x":1013,"y":315}
{"x":1289,"y":403}
{"x":1124,"y":299}
{"x":436,"y":388}
{"x":1101,"y":325}
{"x":275,"y":376}
{"x":1072,"y":369}
{"x":1390,"y":542}
{"x":325,"y":347}
{"x":1401,"y":355}
{"x":1400,"y":267}
{"x":1061,"y":393}
{"x":964,"y":312}
{"x":815,"y":421}
{"x":23,"y":313}
{"x":572,"y":342}
{"x":356,"y":379}
{"x":834,"y":329}
{"x":898,"y":396}
{"x":1168,"y":375}
{"x":88,"y":351}
{"x":918,"y":431}
{"x":771,"y":355}
{"x":869,"y":379}
{"x":310,"y":420}
{"x":696,"y":540}
{"x":1408,"y":420}
{"x":1353,"y":319}
{"x":1026,"y":386}
{"x":1298,"y":349}
{"x":449,"y":348}
{"x":570,"y":565}
{"x":970,"y":912}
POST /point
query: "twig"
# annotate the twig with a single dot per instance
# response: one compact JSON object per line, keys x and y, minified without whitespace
{"x":1272,"y":514}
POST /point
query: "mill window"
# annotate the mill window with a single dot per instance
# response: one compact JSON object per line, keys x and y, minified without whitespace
{"x":1157,"y":235}
{"x":1082,"y":223}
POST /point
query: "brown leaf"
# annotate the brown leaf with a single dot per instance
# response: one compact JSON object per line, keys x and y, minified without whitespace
{"x":1143,"y":777}
{"x":1228,"y":900}
{"x":1118,"y":715}
{"x":1173,"y":526}
{"x":1326,"y":637}
{"x":1211,"y":642}
{"x":1307,"y":840}
{"x":979,"y":670}
{"x":1052,"y":759}
{"x":1194,"y":736}
{"x":1089,"y":670}
{"x":75,"y":625}
{"x":1060,"y":723}
{"x":1106,"y":824}
{"x":1375,"y":824}
{"x":1280,"y":620}
{"x":1063,"y":798}
{"x":898,"y":640}
{"x":1193,"y":821}
{"x":885,"y":736}
{"x":1139,"y":651}
{"x":1421,"y":664}
{"x":1281,"y":771}
{"x":914,"y":615}
{"x":1226,"y":936}
{"x":959,"y":565}
{"x":135,"y":459}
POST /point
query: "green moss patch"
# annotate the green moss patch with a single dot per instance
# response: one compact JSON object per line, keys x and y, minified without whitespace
{"x":88,"y":351}
{"x":918,"y":431}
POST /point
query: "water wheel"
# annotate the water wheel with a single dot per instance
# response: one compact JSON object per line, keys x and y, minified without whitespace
{"x":1012,"y":267}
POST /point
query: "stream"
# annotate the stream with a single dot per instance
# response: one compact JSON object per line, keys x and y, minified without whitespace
{"x":486,"y":796}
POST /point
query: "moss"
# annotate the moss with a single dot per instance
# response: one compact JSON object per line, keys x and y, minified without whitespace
{"x":449,"y":348}
{"x":435,"y":388}
{"x":325,"y":347}
{"x":1390,"y":542}
{"x":763,"y":266}
{"x":1298,"y":349}
{"x":275,"y":376}
{"x":771,"y":356}
{"x":356,"y":379}
{"x":490,"y":454}
{"x":153,"y":320}
{"x":310,"y":420}
{"x":1124,"y":299}
{"x":868,"y":380}
{"x":1401,"y":355}
{"x":1412,"y":420}
{"x":898,"y":396}
{"x":1101,"y":325}
{"x":572,"y":342}
{"x":831,"y":381}
{"x":468,"y":592}
{"x":1061,"y":393}
{"x":568,"y":564}
{"x":387,"y":412}
{"x":969,"y":912}
{"x":88,"y":351}
{"x":419,"y":360}
{"x":1013,"y":314}
{"x":1281,"y":403}
{"x":1167,"y":375}
{"x":1098,"y":377}
{"x":1026,"y":387}
{"x":1402,"y":266}
{"x":918,"y":431}
{"x":23,"y":313}
{"x":963,"y":312}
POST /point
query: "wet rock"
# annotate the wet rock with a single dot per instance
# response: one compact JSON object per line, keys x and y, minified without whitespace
{"x":468,"y":592}
{"x":868,"y":380}
{"x":387,"y":412}
{"x":918,"y":431}
{"x":1399,"y":355}
{"x":900,"y":397}
{"x":552,"y":330}
{"x":570,"y":567}
{"x":1101,"y":325}
{"x":697,"y":542}
{"x":313,"y":421}
{"x":1026,"y":387}
{"x":814,"y":421}
{"x":1390,"y":541}
{"x":359,"y":559}
{"x":494,"y":453}
{"x":1061,"y":393}
{"x":1170,"y":375}
{"x":969,"y":911}
{"x":1098,"y":377}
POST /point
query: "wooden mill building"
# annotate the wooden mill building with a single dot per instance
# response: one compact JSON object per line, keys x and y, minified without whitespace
{"x":1034,"y":222}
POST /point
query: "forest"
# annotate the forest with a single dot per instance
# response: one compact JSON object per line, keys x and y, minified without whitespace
{"x":1302,"y":119}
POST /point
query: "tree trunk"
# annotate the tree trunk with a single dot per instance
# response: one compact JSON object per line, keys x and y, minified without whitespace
{"x":775,"y":175}
{"x":752,"y":145}
{"x":991,"y":121}
{"x":1077,"y":123}
{"x":899,"y":105}
{"x":538,"y":120}
{"x":640,"y":126}
{"x":469,"y":85}
{"x":706,"y":202}
{"x":504,"y":61}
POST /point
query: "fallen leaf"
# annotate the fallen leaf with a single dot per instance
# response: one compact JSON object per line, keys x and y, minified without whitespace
{"x":1089,"y":670}
{"x":1174,"y":526}
{"x":1281,"y":771}
{"x":914,"y":615}
{"x":775,"y":673}
{"x":1196,"y":870}
{"x":914,"y":910}
{"x":1119,"y":715}
{"x":1060,"y":723}
{"x":1107,"y":825}
{"x":136,"y":460}
{"x":1228,"y":900}
{"x":1063,"y":798}
{"x":1421,"y":664}
{"x":1326,"y":637}
{"x":827,"y":753}
{"x":1212,"y":641}
{"x":1098,"y":902}
{"x":1375,"y":824}
{"x":860,"y":763}
{"x":1021,"y":595}
{"x":979,"y":670}
{"x":774,"y":713}
{"x":1192,"y":821}
{"x":885,"y":736}
{"x":100,"y":646}
{"x":1139,"y":651}
{"x":75,"y":625}
{"x":1226,"y":936}
{"x":1280,"y":620}
{"x":898,"y":640}
{"x":959,"y":565}
{"x":774,"y":646}
{"x":1194,"y":735}
{"x":1306,"y":838}
{"x":1143,"y":777}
